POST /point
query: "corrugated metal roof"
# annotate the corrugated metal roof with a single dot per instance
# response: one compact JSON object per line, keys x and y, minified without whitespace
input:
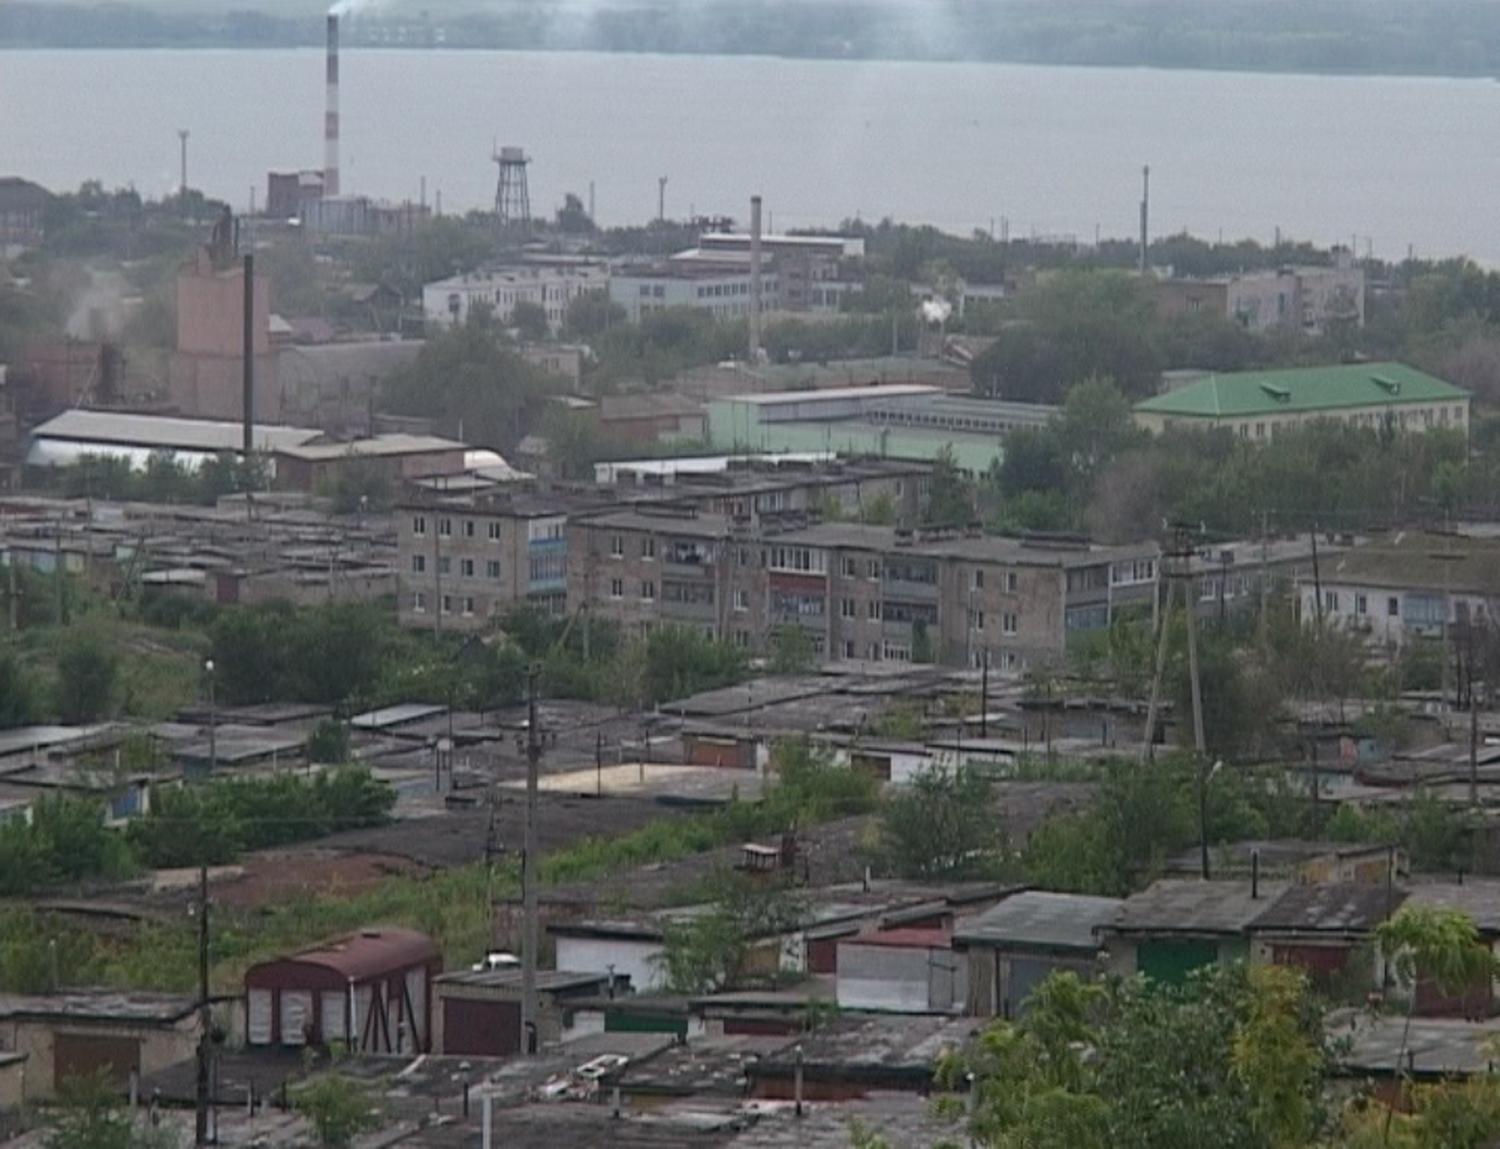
{"x":364,"y":954}
{"x":166,"y":433}
{"x":1302,"y":391}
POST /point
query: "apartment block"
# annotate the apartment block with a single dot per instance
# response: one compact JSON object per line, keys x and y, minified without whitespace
{"x":858,"y":591}
{"x":463,"y":561}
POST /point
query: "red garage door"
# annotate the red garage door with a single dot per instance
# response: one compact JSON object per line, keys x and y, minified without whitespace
{"x":84,"y":1055}
{"x":1322,"y":964}
{"x":481,"y":1028}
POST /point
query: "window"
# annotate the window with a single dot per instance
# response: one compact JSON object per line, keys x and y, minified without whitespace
{"x":742,"y":638}
{"x":492,"y":570}
{"x":872,"y":610}
{"x":848,"y":649}
{"x":848,"y":567}
{"x":419,"y":602}
{"x":648,"y":590}
{"x":1331,"y":601}
{"x":447,"y":604}
{"x":466,"y":568}
{"x":1009,"y":622}
{"x":445,"y":526}
{"x":419,"y":525}
{"x":741,"y":600}
{"x":978,"y":583}
{"x":846,"y":608}
{"x":616,"y":546}
{"x":1009,"y":660}
{"x":494,"y":530}
{"x":978,"y":620}
{"x":468,"y":525}
{"x":1392,"y":607}
{"x":872,"y":569}
{"x":616,"y":588}
{"x":648,"y":548}
{"x":418,"y":564}
{"x":1361,"y":604}
{"x":445,"y":565}
{"x":468,"y":604}
{"x":1012,"y":582}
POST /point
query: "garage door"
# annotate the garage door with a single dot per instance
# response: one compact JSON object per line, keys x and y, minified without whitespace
{"x":1171,"y":962}
{"x":296,"y":1016}
{"x":481,"y":1028}
{"x":83,"y":1055}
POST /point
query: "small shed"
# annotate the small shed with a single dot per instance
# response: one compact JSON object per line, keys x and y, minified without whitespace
{"x":900,"y":971}
{"x":371,"y":989}
{"x":1176,"y":926}
{"x":1322,"y":929}
{"x":1013,"y":947}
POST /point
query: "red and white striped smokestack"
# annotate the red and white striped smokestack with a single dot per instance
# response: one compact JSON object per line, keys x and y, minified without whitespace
{"x":331,"y":113}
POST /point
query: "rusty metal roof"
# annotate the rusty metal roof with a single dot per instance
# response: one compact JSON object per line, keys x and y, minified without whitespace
{"x":364,"y":954}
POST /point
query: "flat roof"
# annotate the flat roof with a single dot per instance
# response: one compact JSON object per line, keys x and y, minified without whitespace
{"x":868,"y":391}
{"x":102,"y":1005}
{"x":166,"y":432}
{"x":396,"y":443}
{"x":1038,"y":919}
{"x":1193,"y":906}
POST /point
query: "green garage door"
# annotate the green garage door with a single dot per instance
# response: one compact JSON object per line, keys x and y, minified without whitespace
{"x":1171,"y":962}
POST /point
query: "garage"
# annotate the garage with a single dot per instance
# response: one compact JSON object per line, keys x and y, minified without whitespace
{"x":79,"y":1055}
{"x":371,"y":989}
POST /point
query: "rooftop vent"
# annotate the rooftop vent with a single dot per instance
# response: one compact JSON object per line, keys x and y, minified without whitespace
{"x":1390,"y":385}
{"x":1277,"y":391}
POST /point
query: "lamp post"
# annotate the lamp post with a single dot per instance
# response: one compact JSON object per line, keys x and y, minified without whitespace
{"x":213,"y":719}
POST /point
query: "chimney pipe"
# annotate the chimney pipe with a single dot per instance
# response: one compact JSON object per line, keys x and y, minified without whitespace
{"x":755,"y":279}
{"x":331,"y":114}
{"x":1254,"y":874}
{"x":1145,"y":213}
{"x":247,"y":398}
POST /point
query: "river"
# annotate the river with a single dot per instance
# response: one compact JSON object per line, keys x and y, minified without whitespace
{"x":1391,"y":163}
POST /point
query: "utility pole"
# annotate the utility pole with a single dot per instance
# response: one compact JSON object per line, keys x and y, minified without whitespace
{"x":529,"y":876}
{"x":205,"y":1021}
{"x":661,"y":199}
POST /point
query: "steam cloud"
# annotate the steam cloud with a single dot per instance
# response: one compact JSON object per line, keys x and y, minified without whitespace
{"x":936,"y":310}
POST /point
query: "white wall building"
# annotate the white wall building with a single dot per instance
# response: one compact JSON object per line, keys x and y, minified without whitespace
{"x":901,"y":971}
{"x":449,"y":301}
{"x":719,"y":288}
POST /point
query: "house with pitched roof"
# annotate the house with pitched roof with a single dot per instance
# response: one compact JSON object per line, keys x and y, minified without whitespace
{"x":1259,"y":405}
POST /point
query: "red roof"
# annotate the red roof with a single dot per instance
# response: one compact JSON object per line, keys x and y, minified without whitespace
{"x":364,"y":954}
{"x":931,"y":939}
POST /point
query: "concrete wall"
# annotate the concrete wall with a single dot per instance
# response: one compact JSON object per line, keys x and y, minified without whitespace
{"x":900,"y":979}
{"x":160,"y":1047}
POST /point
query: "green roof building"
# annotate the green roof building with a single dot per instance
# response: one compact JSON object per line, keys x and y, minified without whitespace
{"x":1258,"y":404}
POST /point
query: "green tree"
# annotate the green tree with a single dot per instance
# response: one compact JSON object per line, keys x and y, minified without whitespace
{"x":572,"y":218}
{"x":338,"y":1107}
{"x":950,"y":500}
{"x":680,"y":661}
{"x":590,"y":314}
{"x":734,"y":941}
{"x":790,"y":650}
{"x":17,"y":700}
{"x":92,"y":1116}
{"x":87,"y":671}
{"x":945,"y":825}
{"x":530,"y":322}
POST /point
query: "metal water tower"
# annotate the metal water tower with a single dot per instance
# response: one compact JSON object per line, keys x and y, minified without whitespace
{"x":512,"y":200}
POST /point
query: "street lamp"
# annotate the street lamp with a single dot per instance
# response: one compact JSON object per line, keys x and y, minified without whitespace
{"x":1204,"y":778}
{"x":213,"y":733}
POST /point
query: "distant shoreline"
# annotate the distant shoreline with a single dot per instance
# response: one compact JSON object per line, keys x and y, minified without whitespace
{"x":1430,"y":39}
{"x":1241,"y":70}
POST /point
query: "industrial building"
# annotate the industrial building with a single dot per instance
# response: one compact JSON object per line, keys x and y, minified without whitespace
{"x":898,"y":420}
{"x":449,"y":302}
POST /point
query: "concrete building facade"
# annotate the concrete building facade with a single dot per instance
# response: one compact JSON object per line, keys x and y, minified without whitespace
{"x":856,"y":591}
{"x":449,"y":302}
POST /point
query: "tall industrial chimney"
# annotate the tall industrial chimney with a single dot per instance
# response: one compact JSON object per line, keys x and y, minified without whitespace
{"x":755,"y":279}
{"x":1145,"y":215}
{"x":331,"y":114}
